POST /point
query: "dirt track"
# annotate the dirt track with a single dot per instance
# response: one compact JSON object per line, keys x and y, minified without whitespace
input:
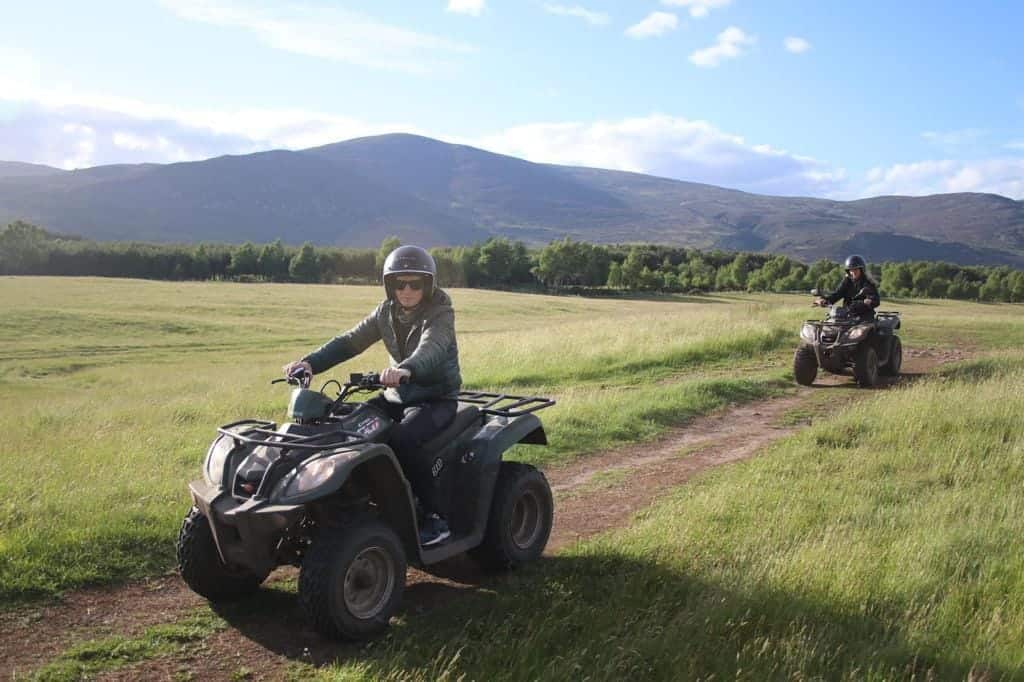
{"x":592,"y":494}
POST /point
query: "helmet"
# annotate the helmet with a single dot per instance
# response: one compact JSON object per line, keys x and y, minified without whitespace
{"x":855,"y":262}
{"x":410,"y":260}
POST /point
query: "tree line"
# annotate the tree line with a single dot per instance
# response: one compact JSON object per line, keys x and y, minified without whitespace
{"x":564,"y":265}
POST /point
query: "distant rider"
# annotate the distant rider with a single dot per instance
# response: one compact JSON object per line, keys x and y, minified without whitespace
{"x":858,"y":291}
{"x":417,"y":324}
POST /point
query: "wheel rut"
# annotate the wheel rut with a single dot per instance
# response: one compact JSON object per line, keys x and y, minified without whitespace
{"x":593,"y":494}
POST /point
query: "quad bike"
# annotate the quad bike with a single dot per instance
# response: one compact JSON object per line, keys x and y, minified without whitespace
{"x":846,"y":342}
{"x":326,"y":493}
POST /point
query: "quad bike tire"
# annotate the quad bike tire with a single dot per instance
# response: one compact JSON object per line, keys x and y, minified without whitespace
{"x":201,"y":567}
{"x":352,"y":579}
{"x":865,"y":366}
{"x":805,"y":366}
{"x":520,"y":520}
{"x":892,"y":367}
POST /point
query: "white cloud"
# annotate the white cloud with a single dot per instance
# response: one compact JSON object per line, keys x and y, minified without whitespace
{"x":730,"y":44}
{"x":592,"y":18}
{"x":796,"y":45}
{"x":654,"y":24}
{"x":60,"y":125}
{"x":698,"y":8}
{"x":325,"y":32}
{"x":671,"y":147}
{"x":471,"y":7}
{"x":998,"y":176}
{"x":80,"y":147}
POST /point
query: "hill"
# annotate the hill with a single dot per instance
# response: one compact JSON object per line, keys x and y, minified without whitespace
{"x":354,"y":193}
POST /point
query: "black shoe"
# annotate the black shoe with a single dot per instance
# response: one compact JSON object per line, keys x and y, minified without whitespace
{"x":434,"y":531}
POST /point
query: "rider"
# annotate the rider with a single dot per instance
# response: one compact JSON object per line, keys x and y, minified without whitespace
{"x":859,"y":291}
{"x":417,"y":324}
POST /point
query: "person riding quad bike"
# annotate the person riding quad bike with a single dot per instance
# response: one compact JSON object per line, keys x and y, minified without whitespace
{"x":416,"y":322}
{"x":852,"y":338}
{"x":857,"y":290}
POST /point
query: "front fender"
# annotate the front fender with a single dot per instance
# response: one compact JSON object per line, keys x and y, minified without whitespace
{"x":379,"y":470}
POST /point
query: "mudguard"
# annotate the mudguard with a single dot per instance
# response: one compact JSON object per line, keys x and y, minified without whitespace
{"x":478,"y":472}
{"x":375,"y":464}
{"x":247,"y":531}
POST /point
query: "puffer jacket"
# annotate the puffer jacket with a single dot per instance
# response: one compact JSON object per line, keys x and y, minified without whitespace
{"x":430,"y":350}
{"x":860,"y":296}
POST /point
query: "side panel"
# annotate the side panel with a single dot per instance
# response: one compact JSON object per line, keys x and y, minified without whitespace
{"x":477,"y":474}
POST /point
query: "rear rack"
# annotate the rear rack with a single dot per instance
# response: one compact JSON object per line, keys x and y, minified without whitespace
{"x":504,"y":404}
{"x":287,"y":441}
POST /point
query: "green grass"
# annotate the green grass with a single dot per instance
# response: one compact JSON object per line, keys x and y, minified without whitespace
{"x":884,"y":543}
{"x":111,"y":390}
{"x":86,"y":659}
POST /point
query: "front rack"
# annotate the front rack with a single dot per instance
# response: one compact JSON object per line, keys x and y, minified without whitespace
{"x":288,"y":441}
{"x":504,"y":404}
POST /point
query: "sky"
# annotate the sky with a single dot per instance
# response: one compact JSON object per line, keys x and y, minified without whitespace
{"x":805,"y":98}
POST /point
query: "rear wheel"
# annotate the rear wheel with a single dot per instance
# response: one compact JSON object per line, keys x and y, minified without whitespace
{"x":865,"y":366}
{"x":352,"y":580}
{"x":520,"y":521}
{"x":201,"y":567}
{"x":805,"y":365}
{"x":892,"y":367}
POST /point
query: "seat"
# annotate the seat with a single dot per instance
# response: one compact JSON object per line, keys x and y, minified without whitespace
{"x":465,"y":416}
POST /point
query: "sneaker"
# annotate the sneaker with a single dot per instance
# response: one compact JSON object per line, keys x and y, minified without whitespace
{"x":434,"y":531}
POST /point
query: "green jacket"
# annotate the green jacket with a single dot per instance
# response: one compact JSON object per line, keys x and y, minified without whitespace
{"x":430,"y":351}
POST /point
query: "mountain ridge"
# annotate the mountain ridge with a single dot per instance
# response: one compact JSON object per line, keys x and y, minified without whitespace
{"x":356,"y":192}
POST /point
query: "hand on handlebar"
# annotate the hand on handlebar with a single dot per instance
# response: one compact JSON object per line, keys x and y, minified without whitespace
{"x":393,"y":376}
{"x":296,"y":368}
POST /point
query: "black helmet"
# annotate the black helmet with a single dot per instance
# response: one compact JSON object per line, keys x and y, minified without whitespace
{"x":410,"y":260}
{"x":853,"y":262}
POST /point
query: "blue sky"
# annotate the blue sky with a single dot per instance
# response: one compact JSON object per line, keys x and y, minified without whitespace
{"x":833,"y":99}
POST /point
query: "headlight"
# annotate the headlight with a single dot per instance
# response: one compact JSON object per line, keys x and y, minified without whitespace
{"x":257,"y":461}
{"x":308,"y":477}
{"x":213,"y":470}
{"x":858,"y":332}
{"x":807,"y":332}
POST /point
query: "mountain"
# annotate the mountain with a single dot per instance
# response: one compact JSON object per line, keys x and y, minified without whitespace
{"x":17,"y":169}
{"x":354,"y":193}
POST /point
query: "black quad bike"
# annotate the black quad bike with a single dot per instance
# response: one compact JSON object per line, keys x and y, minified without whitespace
{"x":326,"y":493}
{"x":845,"y":342}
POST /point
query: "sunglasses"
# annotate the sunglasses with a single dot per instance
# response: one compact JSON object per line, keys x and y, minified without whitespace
{"x":415,"y":284}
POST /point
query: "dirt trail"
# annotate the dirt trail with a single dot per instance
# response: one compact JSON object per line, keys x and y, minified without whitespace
{"x":592,"y":494}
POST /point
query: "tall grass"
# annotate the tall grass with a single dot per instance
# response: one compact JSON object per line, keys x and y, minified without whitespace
{"x":885,"y":543}
{"x":111,"y":390}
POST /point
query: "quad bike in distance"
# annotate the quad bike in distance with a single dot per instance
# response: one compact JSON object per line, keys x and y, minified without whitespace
{"x":846,"y":343}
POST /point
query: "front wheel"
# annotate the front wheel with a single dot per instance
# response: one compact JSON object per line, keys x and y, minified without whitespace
{"x":892,"y":367}
{"x":520,"y":521}
{"x":865,"y":366}
{"x":201,"y":567}
{"x":805,"y":365}
{"x":352,"y":580}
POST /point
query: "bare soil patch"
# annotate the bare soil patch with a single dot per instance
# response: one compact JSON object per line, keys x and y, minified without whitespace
{"x":593,"y":494}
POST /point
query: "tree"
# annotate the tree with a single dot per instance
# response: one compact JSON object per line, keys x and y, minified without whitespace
{"x":22,"y":248}
{"x":273,"y":261}
{"x":388,"y":245}
{"x":615,"y":276}
{"x":305,"y":266}
{"x":244,"y":260}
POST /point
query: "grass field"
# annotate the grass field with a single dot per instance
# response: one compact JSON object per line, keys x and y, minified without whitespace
{"x":881,"y":543}
{"x":884,"y":543}
{"x":112,"y":390}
